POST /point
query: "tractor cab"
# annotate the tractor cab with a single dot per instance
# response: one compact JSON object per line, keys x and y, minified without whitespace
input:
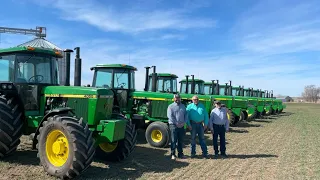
{"x":165,"y":82}
{"x":119,"y":78}
{"x":196,"y":86}
{"x":25,"y":71}
{"x":225,"y":90}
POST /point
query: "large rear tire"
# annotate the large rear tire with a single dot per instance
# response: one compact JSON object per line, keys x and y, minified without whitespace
{"x":10,"y":125}
{"x":65,"y":146}
{"x":119,"y":150}
{"x":158,"y":134}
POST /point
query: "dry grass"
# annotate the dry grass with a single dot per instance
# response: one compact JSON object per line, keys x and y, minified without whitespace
{"x":284,"y":147}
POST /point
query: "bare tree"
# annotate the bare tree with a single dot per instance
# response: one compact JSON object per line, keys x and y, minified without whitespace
{"x":311,"y":93}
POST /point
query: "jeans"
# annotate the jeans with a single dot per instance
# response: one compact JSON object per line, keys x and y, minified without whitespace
{"x":219,"y":130}
{"x":177,"y":136}
{"x":197,"y":128}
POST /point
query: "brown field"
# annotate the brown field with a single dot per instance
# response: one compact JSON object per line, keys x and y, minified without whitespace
{"x":281,"y":147}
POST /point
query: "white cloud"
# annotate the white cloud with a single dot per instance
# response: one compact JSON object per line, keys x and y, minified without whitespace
{"x":127,"y":20}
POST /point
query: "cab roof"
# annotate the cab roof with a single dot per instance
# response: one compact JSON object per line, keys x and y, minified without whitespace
{"x":29,"y":49}
{"x":120,"y":66}
{"x":165,"y":75}
{"x":195,"y":80}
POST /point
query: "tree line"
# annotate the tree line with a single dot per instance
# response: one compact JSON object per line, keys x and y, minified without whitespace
{"x":311,"y":93}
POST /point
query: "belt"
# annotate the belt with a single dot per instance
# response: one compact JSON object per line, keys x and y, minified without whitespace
{"x":196,"y":122}
{"x":220,"y":125}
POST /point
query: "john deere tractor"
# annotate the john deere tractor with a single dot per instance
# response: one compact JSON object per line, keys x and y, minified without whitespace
{"x":239,"y":109}
{"x":68,"y":125}
{"x":147,"y":108}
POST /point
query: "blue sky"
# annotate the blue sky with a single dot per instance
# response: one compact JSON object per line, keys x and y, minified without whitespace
{"x":272,"y":45}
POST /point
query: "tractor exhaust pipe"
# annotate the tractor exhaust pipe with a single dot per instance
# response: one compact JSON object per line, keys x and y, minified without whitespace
{"x":187,"y":84}
{"x":218,"y":88}
{"x":240,"y":90}
{"x":146,"y":85}
{"x":154,"y":79}
{"x":230,"y":88}
{"x":68,"y":58}
{"x":212,"y":87}
{"x":226,"y":90}
{"x":77,"y":68}
{"x":193,"y":84}
{"x":271,"y":93}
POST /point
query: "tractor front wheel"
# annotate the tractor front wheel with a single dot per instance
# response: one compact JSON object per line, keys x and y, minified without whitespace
{"x":10,"y":125}
{"x":231,"y":117}
{"x":65,"y":146}
{"x":158,"y":134}
{"x":119,"y":150}
{"x":253,"y":115}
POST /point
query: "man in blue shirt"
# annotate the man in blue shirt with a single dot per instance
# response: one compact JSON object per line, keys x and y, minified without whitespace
{"x":177,"y":116}
{"x":219,"y":125}
{"x":197,"y":116}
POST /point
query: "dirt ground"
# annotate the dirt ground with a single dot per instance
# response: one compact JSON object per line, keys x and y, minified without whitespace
{"x":282,"y":147}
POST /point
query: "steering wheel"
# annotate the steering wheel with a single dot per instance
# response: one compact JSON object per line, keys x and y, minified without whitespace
{"x":121,"y":85}
{"x":36,"y":79}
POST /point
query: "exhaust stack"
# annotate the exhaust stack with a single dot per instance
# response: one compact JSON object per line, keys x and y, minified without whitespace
{"x":146,"y":85}
{"x":187,"y":84}
{"x":77,"y":68}
{"x":193,"y":84}
{"x":218,"y":88}
{"x":230,"y":88}
{"x":226,"y":89}
{"x":212,"y":87}
{"x":68,"y":58}
{"x":154,"y":79}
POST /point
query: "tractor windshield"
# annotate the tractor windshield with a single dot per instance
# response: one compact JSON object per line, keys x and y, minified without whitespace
{"x":234,"y":92}
{"x":199,"y":87}
{"x":207,"y":89}
{"x":114,"y":78}
{"x":7,"y":68}
{"x":29,"y":68}
{"x":221,"y":90}
{"x":164,"y":84}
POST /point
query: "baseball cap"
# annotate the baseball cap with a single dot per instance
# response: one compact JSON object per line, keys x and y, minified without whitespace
{"x":176,"y":96}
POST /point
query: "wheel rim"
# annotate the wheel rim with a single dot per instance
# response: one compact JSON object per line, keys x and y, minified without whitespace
{"x":108,"y":147}
{"x":228,"y":116}
{"x":57,"y":148}
{"x":156,"y":136}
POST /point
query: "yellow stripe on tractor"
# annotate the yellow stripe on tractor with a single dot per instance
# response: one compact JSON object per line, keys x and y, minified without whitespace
{"x":77,"y":96}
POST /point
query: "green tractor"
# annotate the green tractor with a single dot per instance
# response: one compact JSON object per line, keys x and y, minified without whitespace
{"x":147,"y":108}
{"x":68,"y":125}
{"x":238,"y":106}
{"x":253,"y":99}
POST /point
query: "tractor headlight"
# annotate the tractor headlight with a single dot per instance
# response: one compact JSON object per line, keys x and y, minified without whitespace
{"x":10,"y":86}
{"x":4,"y":86}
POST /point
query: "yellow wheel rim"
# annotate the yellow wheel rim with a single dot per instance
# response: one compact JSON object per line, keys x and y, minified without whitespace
{"x":57,"y":148}
{"x":228,"y":116}
{"x":156,"y":136}
{"x":108,"y":147}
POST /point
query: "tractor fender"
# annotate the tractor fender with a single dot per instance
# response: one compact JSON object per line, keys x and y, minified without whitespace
{"x":50,"y":113}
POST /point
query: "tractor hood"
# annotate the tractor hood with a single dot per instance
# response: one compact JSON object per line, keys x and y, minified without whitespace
{"x":76,"y":91}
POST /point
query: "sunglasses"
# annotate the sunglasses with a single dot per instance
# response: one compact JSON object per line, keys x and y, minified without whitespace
{"x":195,"y":99}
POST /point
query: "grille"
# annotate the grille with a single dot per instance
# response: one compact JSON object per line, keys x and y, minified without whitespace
{"x":159,"y":109}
